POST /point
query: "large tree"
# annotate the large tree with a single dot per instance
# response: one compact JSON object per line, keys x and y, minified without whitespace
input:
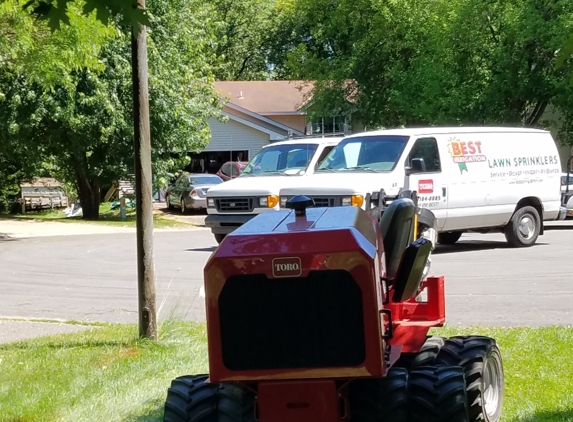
{"x":84,"y":127}
{"x":244,"y":31}
{"x":419,"y":62}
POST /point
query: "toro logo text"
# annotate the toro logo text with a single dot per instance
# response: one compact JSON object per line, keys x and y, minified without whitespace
{"x":287,"y":267}
{"x":426,"y":186}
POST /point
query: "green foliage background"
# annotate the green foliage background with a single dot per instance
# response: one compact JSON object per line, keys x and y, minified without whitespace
{"x":65,"y":95}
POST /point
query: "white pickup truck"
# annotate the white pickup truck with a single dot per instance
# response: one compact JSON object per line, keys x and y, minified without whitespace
{"x":256,"y":190}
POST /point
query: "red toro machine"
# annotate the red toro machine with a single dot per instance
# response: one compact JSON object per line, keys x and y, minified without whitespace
{"x":322,"y":315}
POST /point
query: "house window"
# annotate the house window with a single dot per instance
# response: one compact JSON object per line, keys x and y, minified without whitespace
{"x":328,"y":125}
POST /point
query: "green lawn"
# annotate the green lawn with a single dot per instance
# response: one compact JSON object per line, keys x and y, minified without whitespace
{"x":107,"y":375}
{"x":107,"y":217}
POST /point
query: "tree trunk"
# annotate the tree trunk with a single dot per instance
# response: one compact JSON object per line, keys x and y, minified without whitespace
{"x":90,"y":195}
{"x":536,"y":114}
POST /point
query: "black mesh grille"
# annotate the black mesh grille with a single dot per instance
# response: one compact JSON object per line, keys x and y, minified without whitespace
{"x":305,"y":322}
{"x":322,"y":201}
{"x":234,"y":204}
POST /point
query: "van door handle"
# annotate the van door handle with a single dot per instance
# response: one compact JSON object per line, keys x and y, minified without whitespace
{"x":444,"y":192}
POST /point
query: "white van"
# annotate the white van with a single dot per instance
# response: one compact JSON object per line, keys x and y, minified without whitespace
{"x":472,"y":179}
{"x":256,"y":190}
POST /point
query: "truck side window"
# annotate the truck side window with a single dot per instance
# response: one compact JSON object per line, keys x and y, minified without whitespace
{"x":427,"y":148}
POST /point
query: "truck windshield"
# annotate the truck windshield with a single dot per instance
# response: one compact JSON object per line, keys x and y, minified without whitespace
{"x":279,"y":158}
{"x":365,"y":153}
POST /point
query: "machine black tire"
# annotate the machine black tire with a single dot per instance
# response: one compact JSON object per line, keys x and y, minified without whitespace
{"x":168,"y":203}
{"x":183,"y":207}
{"x":514,"y":235}
{"x":449,"y":238}
{"x":190,"y":399}
{"x":219,"y":237}
{"x":426,"y":356}
{"x":437,"y":394}
{"x":481,"y":361}
{"x":380,"y":399}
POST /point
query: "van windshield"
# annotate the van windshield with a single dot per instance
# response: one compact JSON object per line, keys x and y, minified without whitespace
{"x":365,"y":153}
{"x":280,"y":159}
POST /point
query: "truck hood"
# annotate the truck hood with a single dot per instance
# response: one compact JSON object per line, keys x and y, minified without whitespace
{"x":252,"y":186}
{"x":344,"y":183}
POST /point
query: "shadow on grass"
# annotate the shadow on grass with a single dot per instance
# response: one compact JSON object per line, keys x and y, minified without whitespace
{"x":548,"y":416}
{"x":155,"y":414}
{"x":63,"y":344}
{"x":474,"y":245}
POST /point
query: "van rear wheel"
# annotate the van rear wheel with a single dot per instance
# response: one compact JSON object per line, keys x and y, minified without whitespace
{"x":523,"y":228}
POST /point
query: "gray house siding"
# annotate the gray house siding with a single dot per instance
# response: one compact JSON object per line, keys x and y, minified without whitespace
{"x":234,"y":136}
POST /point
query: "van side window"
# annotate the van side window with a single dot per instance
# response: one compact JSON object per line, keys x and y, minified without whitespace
{"x":322,"y":156}
{"x":427,"y":148}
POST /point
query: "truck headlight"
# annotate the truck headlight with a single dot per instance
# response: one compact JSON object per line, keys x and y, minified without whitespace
{"x":354,"y":200}
{"x":270,"y":201}
{"x":210,"y":202}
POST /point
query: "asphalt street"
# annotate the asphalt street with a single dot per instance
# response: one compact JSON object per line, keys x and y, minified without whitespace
{"x":94,"y":278}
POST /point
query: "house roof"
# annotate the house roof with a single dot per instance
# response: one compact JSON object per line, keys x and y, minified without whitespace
{"x":266,"y":97}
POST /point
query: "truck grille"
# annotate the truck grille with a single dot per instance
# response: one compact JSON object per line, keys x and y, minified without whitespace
{"x":325,"y":201}
{"x":234,"y":204}
{"x":305,"y":322}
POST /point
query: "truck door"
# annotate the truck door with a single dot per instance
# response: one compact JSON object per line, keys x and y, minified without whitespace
{"x":430,"y":182}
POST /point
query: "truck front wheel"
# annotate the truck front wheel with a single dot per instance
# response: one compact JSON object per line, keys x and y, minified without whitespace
{"x":523,"y":228}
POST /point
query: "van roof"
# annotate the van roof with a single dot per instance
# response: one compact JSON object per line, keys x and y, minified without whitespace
{"x":447,"y":130}
{"x":310,"y":140}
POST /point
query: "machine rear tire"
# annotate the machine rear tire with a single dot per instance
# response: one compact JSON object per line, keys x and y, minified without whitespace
{"x":190,"y":399}
{"x":219,"y":237}
{"x":449,"y":238}
{"x":481,"y":361}
{"x":168,"y":203}
{"x":437,"y":394}
{"x":425,"y":357}
{"x":183,"y":206}
{"x":380,"y":399}
{"x":524,"y":227}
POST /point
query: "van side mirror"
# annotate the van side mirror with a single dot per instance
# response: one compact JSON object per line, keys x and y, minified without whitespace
{"x":417,"y":165}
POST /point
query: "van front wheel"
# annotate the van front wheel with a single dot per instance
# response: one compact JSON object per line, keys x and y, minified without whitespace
{"x":523,"y":228}
{"x":449,"y":238}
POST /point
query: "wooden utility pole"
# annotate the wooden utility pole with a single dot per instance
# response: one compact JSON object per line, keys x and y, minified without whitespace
{"x":143,"y":184}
